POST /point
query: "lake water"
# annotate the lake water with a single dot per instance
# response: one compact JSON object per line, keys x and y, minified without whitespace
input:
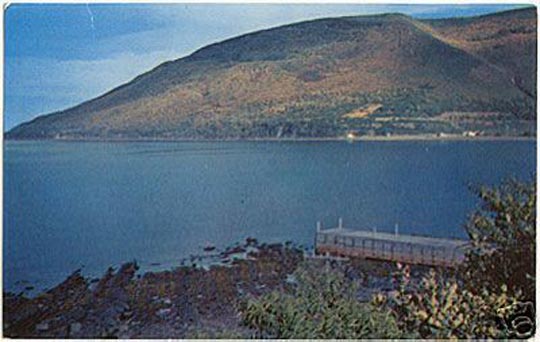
{"x":69,"y":204}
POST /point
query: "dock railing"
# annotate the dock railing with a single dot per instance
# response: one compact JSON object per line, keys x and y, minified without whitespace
{"x":412,"y":249}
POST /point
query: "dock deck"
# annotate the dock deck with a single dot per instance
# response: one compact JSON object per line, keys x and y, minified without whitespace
{"x":412,"y":249}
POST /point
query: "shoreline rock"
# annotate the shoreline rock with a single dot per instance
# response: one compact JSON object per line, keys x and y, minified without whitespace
{"x":156,"y":304}
{"x":187,"y":301}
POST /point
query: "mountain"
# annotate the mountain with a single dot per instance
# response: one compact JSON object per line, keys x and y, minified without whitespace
{"x":382,"y":74}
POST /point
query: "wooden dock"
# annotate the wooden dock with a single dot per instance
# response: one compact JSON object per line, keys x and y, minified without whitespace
{"x":411,"y":249}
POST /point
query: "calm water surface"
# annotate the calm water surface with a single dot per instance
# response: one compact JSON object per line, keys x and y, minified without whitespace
{"x":69,"y":205}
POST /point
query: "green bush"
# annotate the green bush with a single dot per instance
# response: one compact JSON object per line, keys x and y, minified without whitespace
{"x":503,"y":235}
{"x":321,"y":305}
{"x":440,"y":308}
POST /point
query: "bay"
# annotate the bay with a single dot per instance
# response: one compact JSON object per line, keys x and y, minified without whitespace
{"x":69,"y":205}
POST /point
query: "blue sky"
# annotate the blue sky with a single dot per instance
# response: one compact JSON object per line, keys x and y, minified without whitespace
{"x":57,"y":56}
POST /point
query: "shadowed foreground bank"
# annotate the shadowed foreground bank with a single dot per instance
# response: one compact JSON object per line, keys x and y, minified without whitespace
{"x":185,"y":302}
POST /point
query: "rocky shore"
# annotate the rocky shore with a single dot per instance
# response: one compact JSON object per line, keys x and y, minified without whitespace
{"x":185,"y":302}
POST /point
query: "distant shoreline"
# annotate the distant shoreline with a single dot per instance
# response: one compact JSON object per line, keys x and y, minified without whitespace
{"x":419,"y":137}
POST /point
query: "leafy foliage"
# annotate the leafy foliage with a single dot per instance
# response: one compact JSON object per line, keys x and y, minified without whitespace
{"x":321,"y":305}
{"x":503,"y":235}
{"x":440,"y":308}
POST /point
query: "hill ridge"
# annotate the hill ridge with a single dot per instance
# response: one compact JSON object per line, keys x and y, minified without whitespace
{"x":282,"y":82}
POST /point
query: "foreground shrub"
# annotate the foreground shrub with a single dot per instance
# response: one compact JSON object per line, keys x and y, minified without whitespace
{"x":441,"y":308}
{"x":321,"y":305}
{"x":503,"y":235}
